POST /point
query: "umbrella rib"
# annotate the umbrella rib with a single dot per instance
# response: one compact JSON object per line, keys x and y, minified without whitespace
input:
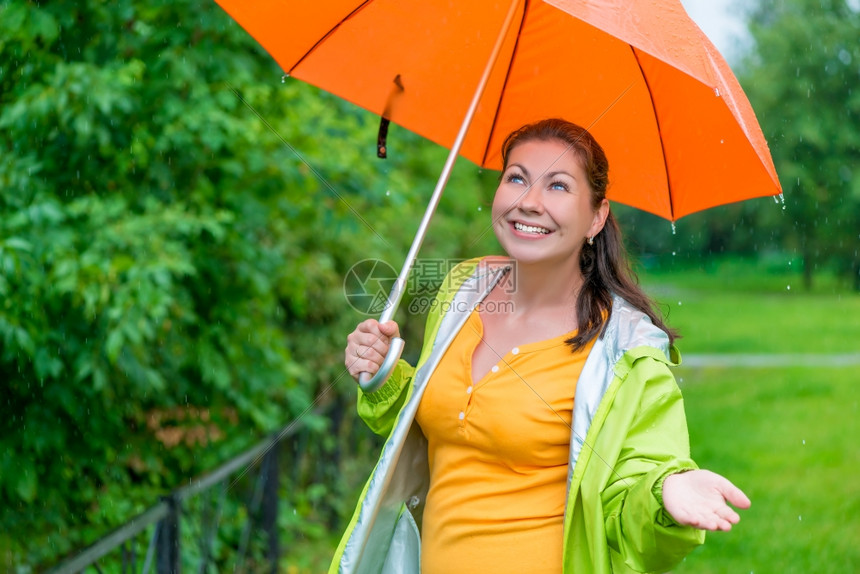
{"x":505,"y":84}
{"x":659,"y":133}
{"x":331,"y":31}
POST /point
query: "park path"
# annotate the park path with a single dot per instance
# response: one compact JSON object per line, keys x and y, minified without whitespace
{"x":772,"y":360}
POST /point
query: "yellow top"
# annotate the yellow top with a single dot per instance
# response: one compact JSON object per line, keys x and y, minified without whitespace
{"x":498,"y":451}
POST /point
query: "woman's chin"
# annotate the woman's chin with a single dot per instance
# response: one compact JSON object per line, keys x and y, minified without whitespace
{"x":540,"y":257}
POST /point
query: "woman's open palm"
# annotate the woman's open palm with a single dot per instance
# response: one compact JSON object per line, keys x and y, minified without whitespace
{"x":700,"y":498}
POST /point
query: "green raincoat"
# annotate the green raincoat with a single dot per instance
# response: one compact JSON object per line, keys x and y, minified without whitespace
{"x":629,"y":433}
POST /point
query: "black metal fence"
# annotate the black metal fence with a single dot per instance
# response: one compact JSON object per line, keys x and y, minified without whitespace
{"x":152,"y":540}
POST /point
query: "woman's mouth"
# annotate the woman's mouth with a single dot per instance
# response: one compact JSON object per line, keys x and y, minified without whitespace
{"x":530,"y":229}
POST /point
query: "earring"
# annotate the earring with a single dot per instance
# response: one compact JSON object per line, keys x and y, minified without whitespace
{"x":591,"y":240}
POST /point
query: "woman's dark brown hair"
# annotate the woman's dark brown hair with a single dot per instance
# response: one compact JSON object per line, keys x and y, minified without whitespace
{"x":605,"y":265}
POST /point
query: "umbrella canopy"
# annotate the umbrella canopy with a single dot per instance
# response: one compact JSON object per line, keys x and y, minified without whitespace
{"x":679,"y":132}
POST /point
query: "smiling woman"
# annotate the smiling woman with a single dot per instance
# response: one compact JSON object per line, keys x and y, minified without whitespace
{"x":541,"y":430}
{"x":567,"y":192}
{"x":543,"y":207}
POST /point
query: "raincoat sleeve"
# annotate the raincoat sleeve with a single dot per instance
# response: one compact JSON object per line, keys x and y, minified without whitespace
{"x":378,"y":409}
{"x":642,"y":533}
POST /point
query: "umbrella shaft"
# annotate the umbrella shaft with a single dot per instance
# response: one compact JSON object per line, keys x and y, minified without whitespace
{"x":399,"y":287}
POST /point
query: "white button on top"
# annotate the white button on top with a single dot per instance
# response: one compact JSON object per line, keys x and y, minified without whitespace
{"x":495,"y":369}
{"x":515,"y":350}
{"x":462,"y":415}
{"x":469,"y":390}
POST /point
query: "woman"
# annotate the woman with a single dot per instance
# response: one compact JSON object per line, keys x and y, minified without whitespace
{"x":542,"y":430}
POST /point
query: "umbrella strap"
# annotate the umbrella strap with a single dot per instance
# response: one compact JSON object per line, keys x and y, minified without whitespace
{"x":381,"y":147}
{"x":381,"y":151}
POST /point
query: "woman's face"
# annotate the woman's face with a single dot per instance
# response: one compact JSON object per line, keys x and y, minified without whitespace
{"x":542,"y":208}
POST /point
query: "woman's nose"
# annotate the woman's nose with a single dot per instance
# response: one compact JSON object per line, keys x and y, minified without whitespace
{"x":531,"y":199}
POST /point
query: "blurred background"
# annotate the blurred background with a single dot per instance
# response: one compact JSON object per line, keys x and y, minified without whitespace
{"x":177,"y":223}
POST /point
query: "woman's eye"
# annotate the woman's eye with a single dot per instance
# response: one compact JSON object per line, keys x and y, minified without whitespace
{"x":558,"y":185}
{"x":515,"y":178}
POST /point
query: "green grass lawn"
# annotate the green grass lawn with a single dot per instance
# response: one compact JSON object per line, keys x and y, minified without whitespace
{"x":731,"y":322}
{"x":789,"y":438}
{"x":736,"y":308}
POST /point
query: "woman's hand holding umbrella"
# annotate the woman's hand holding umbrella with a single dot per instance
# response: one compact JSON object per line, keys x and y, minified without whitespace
{"x":367,"y":346}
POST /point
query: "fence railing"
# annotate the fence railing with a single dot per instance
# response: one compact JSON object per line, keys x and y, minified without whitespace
{"x":163,"y":521}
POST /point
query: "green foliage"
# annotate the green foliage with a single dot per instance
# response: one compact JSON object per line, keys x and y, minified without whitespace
{"x":175,"y":225}
{"x":802,"y":77}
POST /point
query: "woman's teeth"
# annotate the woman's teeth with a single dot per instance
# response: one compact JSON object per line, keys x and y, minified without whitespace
{"x":530,"y":229}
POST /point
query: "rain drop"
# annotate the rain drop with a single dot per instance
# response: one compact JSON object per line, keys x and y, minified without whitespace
{"x":479,"y":208}
{"x":674,"y":230}
{"x":717,"y":92}
{"x":788,"y":287}
{"x":800,"y":517}
{"x":673,"y":254}
{"x":722,"y":141}
{"x":284,"y":78}
{"x":804,"y":442}
{"x":679,"y":303}
{"x":387,"y":192}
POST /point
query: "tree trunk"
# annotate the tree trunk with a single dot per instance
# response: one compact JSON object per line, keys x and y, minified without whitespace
{"x":807,"y":271}
{"x":857,"y":275}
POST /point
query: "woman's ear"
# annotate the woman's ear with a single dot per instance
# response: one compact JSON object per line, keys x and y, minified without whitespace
{"x":600,"y":215}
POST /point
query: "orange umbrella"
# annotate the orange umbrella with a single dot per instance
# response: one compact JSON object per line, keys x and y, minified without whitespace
{"x":639,"y":74}
{"x":678,"y":130}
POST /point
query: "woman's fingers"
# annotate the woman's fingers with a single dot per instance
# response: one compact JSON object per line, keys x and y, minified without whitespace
{"x":362,"y":360}
{"x":733,"y":494}
{"x":367,"y":346}
{"x":367,"y":353}
{"x":371,"y":335}
{"x":390,"y":329}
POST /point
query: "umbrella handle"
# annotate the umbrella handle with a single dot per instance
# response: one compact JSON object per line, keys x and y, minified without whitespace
{"x":369,"y":384}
